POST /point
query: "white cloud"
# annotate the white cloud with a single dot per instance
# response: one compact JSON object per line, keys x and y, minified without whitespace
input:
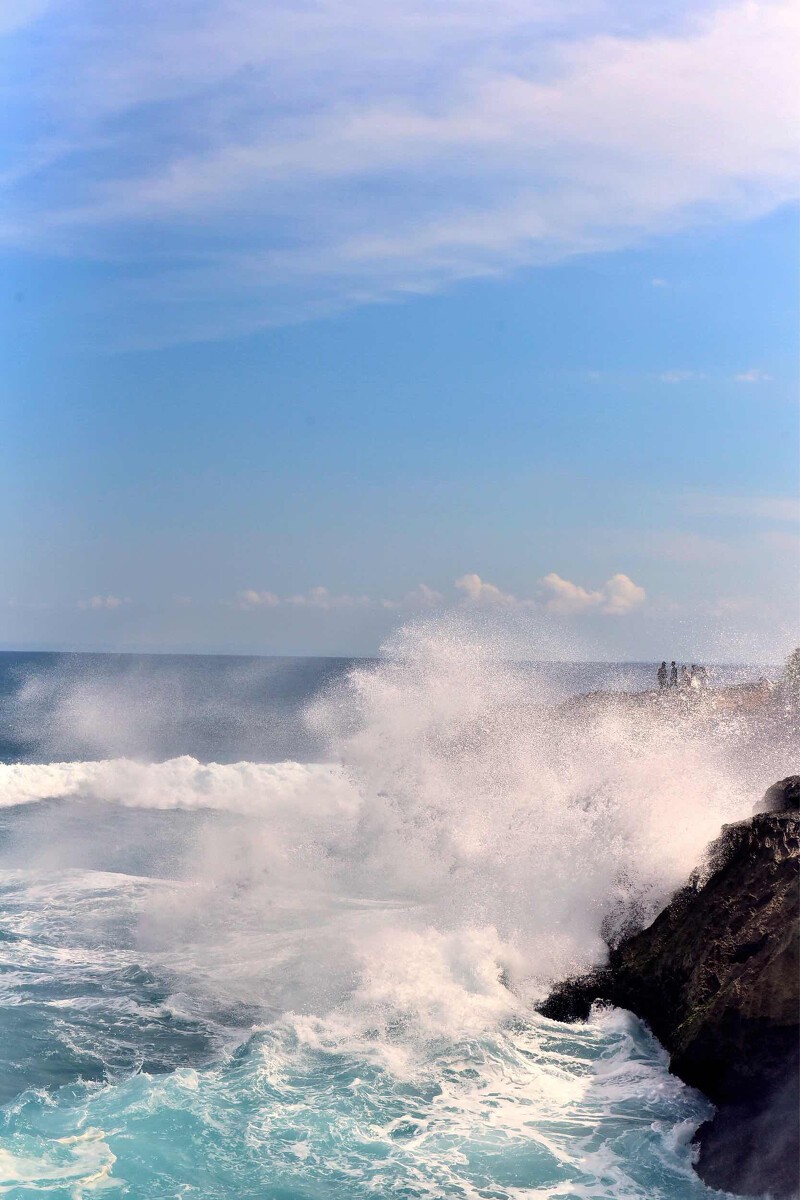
{"x":103,"y":602}
{"x":250,"y":598}
{"x":410,"y":145}
{"x":754,"y":375}
{"x":314,"y":598}
{"x":566,"y":598}
{"x":622,"y":595}
{"x":677,"y":376}
{"x":320,"y":597}
{"x":659,"y":283}
{"x":477,"y":591}
{"x":559,"y":596}
{"x":619,"y":595}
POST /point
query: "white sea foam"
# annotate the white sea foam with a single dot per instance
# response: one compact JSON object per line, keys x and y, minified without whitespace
{"x":245,"y":787}
{"x":387,"y":922}
{"x":464,"y":851}
{"x":544,"y":1111}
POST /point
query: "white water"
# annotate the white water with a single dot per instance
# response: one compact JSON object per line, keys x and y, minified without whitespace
{"x":391,"y":917}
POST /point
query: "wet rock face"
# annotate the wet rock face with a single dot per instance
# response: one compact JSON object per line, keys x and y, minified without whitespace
{"x":717,"y":978}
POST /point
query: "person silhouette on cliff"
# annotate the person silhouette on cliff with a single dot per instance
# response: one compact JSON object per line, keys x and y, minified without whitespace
{"x":661,"y":675}
{"x":673,"y":674}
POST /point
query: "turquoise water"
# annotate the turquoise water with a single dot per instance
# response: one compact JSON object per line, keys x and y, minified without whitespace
{"x":140,"y":1091}
{"x":536,"y":1111}
{"x":315,"y":980}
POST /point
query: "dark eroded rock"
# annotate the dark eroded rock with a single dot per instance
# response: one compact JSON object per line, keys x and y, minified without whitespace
{"x":717,"y":978}
{"x":783,"y":796}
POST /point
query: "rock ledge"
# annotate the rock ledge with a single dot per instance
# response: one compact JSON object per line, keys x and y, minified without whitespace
{"x":717,"y":978}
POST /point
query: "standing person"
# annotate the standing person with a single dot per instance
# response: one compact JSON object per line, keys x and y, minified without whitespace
{"x":686,"y":679}
{"x":661,"y":675}
{"x":673,"y":674}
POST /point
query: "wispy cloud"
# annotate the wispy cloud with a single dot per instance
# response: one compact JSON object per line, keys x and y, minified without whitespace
{"x":320,"y":597}
{"x":16,"y":14}
{"x":754,"y":375}
{"x":691,"y":547}
{"x":679,"y":376}
{"x":96,"y":603}
{"x":250,"y":598}
{"x":758,"y":508}
{"x":310,"y":157}
{"x":315,"y":598}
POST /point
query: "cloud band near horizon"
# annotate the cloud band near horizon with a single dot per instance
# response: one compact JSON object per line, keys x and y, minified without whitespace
{"x":617,"y":596}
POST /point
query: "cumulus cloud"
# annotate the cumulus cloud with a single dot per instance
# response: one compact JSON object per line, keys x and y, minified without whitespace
{"x":559,"y":596}
{"x":565,"y":598}
{"x":322,"y":155}
{"x":477,"y":591}
{"x":103,"y":602}
{"x":619,"y":595}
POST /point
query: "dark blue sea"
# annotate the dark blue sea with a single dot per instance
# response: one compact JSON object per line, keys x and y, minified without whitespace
{"x":274,"y":929}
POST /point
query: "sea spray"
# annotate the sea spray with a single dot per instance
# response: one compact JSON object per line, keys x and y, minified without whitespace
{"x":327,"y":971}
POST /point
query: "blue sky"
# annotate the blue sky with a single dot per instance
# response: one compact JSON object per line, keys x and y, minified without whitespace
{"x":319,"y":318}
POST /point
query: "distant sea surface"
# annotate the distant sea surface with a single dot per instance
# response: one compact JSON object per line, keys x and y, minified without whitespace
{"x":274,"y":928}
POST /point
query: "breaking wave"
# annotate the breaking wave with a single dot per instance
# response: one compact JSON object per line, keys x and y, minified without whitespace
{"x":327,"y":970}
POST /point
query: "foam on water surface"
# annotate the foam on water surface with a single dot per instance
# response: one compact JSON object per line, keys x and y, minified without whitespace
{"x":316,"y":980}
{"x":304,"y":1111}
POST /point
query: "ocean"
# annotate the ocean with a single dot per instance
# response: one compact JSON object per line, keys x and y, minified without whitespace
{"x":274,"y":929}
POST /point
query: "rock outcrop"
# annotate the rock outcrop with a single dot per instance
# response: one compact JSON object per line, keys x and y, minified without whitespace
{"x":783,"y":796}
{"x":717,"y":978}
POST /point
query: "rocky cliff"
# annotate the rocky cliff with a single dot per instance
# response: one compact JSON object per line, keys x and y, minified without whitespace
{"x":717,"y":978}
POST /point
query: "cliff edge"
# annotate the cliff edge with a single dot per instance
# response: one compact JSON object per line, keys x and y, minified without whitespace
{"x":717,"y":978}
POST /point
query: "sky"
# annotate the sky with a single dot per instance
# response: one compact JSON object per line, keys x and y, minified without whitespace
{"x":321,"y":317}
